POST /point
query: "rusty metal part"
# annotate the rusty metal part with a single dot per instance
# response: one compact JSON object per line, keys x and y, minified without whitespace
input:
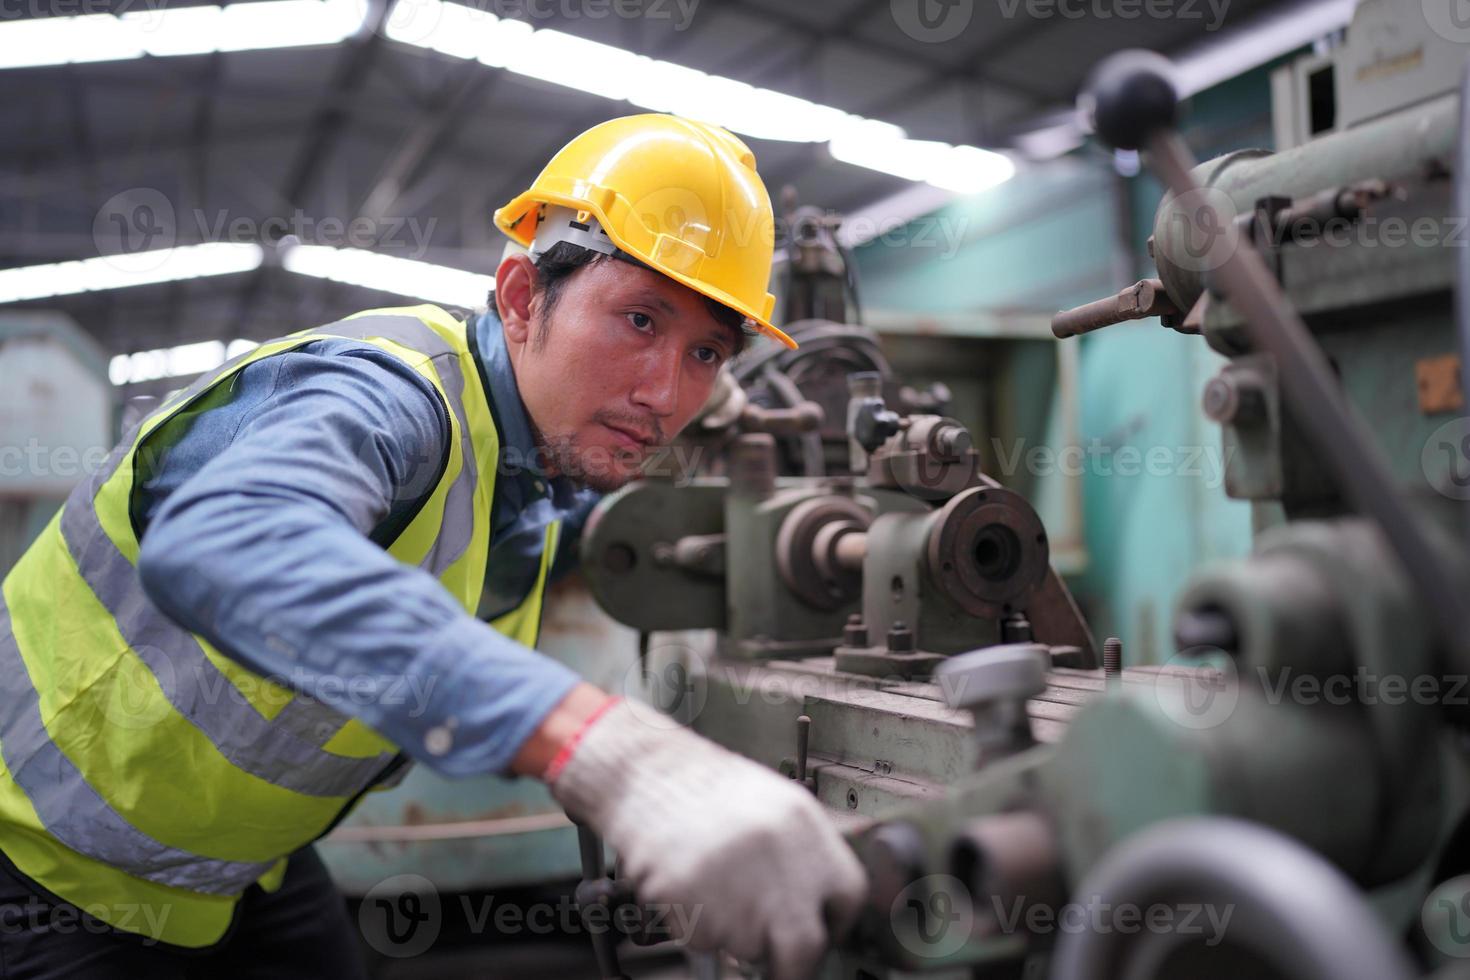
{"x":987,"y":551}
{"x":807,"y":546}
{"x":1437,"y":380}
{"x":1056,"y":620}
{"x":753,"y":465}
{"x":931,"y":457}
{"x":1231,"y":398}
{"x":1139,"y":301}
{"x":804,"y":417}
{"x":701,"y":554}
{"x":1009,"y":857}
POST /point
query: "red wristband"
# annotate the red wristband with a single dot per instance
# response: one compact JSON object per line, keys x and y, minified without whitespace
{"x":564,"y":754}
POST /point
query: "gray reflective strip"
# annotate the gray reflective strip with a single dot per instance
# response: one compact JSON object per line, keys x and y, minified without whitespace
{"x":458,"y":526}
{"x":74,"y":813}
{"x":195,"y":686}
{"x":310,"y":720}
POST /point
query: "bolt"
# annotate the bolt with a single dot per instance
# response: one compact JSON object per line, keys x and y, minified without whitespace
{"x":855,"y":633}
{"x":900,"y":638}
{"x":951,"y":442}
{"x":1016,"y":628}
{"x":1112,"y":657}
{"x":1232,"y":400}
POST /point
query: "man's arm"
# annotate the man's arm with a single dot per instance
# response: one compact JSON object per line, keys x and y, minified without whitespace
{"x":265,"y":551}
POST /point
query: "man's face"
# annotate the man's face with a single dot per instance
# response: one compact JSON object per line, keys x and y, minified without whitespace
{"x":622,"y":361}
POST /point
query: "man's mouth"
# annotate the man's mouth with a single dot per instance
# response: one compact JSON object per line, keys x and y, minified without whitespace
{"x":629,"y":439}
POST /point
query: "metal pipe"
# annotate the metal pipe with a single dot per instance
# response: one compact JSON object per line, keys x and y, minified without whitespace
{"x":1224,"y":863}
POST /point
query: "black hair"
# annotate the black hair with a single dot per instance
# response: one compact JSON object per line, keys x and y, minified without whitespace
{"x":560,"y":261}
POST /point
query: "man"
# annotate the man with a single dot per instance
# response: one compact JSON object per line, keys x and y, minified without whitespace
{"x":204,"y":655}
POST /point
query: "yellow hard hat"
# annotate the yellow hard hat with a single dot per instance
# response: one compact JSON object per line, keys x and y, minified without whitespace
{"x":679,"y":196}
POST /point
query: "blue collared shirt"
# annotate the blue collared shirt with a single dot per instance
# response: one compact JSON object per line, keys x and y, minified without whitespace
{"x":264,"y":512}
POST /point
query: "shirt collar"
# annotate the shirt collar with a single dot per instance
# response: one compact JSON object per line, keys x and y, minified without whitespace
{"x":521,"y":466}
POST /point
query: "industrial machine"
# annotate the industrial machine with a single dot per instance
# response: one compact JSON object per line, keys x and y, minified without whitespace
{"x":1288,"y":796}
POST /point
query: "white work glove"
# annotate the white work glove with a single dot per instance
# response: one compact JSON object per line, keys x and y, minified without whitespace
{"x":749,"y":862}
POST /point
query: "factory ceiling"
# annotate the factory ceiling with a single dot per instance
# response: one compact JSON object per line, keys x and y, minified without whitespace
{"x":420,"y":146}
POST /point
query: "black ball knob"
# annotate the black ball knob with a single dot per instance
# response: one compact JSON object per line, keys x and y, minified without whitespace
{"x":1130,"y":96}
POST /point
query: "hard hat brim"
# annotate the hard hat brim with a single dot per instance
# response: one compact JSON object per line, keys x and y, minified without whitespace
{"x":512,"y":220}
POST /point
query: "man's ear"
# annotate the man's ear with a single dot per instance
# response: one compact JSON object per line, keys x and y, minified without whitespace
{"x":515,"y":282}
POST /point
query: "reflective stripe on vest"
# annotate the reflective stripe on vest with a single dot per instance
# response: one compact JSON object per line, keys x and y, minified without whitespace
{"x":107,"y":705}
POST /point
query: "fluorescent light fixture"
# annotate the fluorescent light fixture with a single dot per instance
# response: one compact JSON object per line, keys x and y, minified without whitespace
{"x":178,"y":31}
{"x":119,"y":271}
{"x":169,"y":362}
{"x":406,"y":277}
{"x":662,"y":86}
{"x":66,"y":40}
{"x":461,"y":31}
{"x":174,"y":362}
{"x":884,"y":147}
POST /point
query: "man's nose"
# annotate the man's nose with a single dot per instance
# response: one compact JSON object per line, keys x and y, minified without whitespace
{"x":657,"y":387}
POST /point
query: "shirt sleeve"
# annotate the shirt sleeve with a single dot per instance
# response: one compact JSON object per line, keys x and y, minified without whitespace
{"x":266,"y":550}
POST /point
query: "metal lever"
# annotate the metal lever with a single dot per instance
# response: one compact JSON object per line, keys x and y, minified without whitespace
{"x":594,"y":890}
{"x":1139,"y":301}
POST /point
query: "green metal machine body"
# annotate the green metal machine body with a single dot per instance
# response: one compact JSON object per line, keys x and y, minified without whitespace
{"x":895,"y":638}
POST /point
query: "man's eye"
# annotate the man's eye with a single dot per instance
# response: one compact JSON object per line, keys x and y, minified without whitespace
{"x":640,"y":320}
{"x":708,"y":355}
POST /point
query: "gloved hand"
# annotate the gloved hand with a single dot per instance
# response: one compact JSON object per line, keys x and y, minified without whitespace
{"x":750,"y":862}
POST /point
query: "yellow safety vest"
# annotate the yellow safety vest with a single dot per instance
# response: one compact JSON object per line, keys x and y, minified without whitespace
{"x":146,"y":777}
